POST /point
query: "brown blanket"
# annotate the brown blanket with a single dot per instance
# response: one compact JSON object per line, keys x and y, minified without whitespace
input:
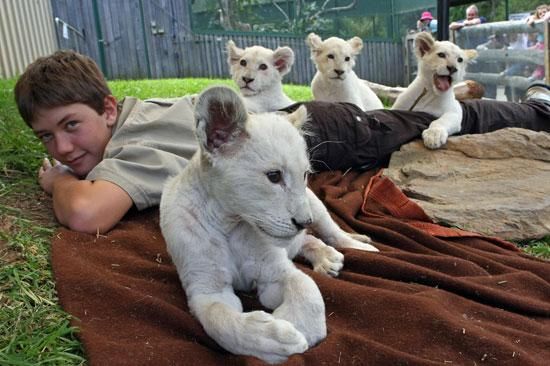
{"x":456,"y":299}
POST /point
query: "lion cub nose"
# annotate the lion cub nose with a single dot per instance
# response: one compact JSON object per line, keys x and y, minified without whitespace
{"x":301,"y":225}
{"x":451,"y":69}
{"x":247,"y":80}
{"x":338,"y":72}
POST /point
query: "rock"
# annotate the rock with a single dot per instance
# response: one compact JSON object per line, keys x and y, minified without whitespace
{"x":496,"y":183}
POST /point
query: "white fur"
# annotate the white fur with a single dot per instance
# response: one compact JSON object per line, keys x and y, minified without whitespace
{"x":230,"y":223}
{"x":258,"y":72}
{"x":335,"y":80}
{"x":436,"y":59}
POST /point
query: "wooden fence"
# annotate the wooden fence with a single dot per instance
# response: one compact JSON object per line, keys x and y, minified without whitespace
{"x":132,"y":39}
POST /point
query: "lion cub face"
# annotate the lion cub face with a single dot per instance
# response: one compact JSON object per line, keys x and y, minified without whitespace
{"x":334,"y":57}
{"x":255,"y":69}
{"x":441,"y":63}
{"x":256,"y":164}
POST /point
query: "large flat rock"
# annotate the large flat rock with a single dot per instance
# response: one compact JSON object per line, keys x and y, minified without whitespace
{"x":496,"y":183}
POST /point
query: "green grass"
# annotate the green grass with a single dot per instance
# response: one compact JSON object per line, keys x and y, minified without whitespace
{"x":34,"y":330}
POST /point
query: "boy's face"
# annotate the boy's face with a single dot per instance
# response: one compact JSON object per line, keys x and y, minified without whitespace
{"x":75,"y":134}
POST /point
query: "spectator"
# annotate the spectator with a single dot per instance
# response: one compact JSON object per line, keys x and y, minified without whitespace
{"x":426,"y":23}
{"x":541,"y":14}
{"x":472,"y":18}
{"x":517,"y":41}
{"x":538,"y":72}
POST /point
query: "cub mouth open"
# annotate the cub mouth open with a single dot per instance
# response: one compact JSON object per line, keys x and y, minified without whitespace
{"x":443,"y":82}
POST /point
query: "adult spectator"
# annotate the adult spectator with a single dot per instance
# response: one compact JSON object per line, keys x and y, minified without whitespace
{"x":472,"y":18}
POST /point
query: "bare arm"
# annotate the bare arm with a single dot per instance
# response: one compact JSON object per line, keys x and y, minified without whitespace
{"x":82,"y":205}
{"x":472,"y":21}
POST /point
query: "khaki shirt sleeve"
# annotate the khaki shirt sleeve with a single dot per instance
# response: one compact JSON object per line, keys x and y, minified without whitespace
{"x":153,"y":140}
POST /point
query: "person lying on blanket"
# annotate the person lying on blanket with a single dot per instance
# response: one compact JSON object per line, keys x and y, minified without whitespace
{"x":109,"y":157}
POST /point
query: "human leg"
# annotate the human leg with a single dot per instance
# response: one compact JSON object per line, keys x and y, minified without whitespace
{"x":480,"y":116}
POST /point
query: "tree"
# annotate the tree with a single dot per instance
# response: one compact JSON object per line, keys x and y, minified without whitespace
{"x":308,"y":15}
{"x":298,"y":16}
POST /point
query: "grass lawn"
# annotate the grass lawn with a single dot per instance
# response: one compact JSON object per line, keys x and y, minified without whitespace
{"x":33,"y":328}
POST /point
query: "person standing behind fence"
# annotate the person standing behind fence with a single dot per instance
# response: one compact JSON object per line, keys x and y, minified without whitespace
{"x":472,"y":18}
{"x":541,"y":14}
{"x":538,"y":72}
{"x":426,"y":23}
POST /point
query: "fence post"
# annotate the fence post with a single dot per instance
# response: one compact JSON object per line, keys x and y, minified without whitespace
{"x":100,"y":40}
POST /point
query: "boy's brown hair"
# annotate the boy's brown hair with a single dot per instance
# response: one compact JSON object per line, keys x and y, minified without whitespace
{"x":63,"y":78}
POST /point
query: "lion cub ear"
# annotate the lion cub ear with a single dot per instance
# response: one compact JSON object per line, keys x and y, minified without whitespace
{"x":234,"y":53}
{"x":356,"y":44}
{"x":470,"y":54}
{"x":314,"y":42}
{"x":283,"y":59}
{"x":299,"y":117}
{"x":423,"y":43}
{"x":220,"y":117}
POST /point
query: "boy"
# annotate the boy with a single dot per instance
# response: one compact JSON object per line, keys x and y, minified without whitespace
{"x":109,"y":157}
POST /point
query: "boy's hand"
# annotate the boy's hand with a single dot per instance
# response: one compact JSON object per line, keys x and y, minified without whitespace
{"x":48,"y":174}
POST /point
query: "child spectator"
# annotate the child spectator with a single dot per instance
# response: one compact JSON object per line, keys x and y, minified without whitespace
{"x":541,"y":14}
{"x":426,"y":23}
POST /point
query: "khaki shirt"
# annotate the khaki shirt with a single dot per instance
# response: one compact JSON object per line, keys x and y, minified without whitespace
{"x":151,"y":141}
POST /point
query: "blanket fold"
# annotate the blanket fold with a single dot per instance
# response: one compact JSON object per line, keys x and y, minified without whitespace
{"x":432,"y":296}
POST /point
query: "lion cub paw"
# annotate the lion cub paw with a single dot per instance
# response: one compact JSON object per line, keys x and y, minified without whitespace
{"x":357,"y":241}
{"x":323,"y":258}
{"x":271,"y":339}
{"x":435,"y":137}
{"x":330,"y":261}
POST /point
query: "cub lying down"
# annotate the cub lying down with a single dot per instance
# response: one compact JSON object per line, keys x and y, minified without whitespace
{"x":233,"y":218}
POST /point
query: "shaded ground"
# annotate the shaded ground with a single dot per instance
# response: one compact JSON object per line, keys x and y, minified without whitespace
{"x":29,"y":205}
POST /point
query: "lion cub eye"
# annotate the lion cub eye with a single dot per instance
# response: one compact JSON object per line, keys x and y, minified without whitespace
{"x":331,"y":56}
{"x":274,"y":176}
{"x":243,"y":62}
{"x":441,"y":54}
{"x":347,"y":58}
{"x":460,"y":59}
{"x":263,"y":67}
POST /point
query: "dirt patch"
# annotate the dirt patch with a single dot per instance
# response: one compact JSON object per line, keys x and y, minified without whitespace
{"x":34,"y":206}
{"x":31,"y":205}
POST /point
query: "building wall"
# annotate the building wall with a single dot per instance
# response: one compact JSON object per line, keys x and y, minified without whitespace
{"x":26,"y":33}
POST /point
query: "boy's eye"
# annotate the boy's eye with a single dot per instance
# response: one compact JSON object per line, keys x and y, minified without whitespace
{"x":45,"y":138}
{"x":71,"y":125}
{"x":441,"y":54}
{"x":263,"y":67}
{"x":331,"y":56}
{"x":243,"y":63}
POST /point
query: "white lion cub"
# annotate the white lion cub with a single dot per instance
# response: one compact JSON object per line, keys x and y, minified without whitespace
{"x":440,"y":66}
{"x":233,"y":217}
{"x":335,"y":80}
{"x":258,"y":72}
